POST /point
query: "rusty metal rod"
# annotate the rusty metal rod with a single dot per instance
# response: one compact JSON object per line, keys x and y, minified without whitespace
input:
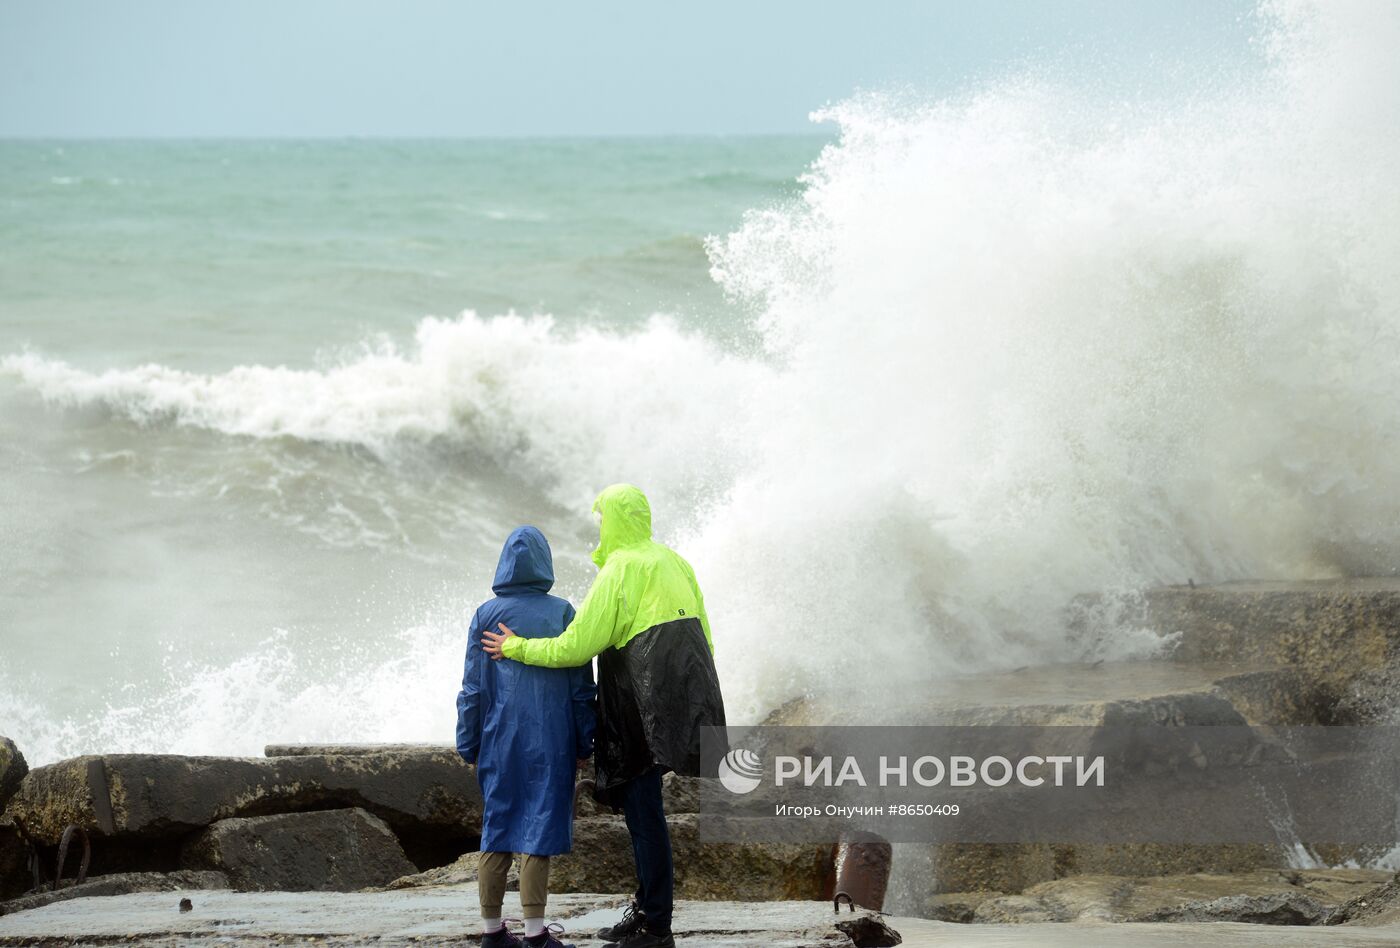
{"x":64,"y":841}
{"x":36,"y":867}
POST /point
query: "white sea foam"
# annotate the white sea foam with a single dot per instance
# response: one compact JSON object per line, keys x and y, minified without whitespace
{"x":1035,"y":347}
{"x":1019,"y":346}
{"x":568,"y":410}
{"x":272,"y":694}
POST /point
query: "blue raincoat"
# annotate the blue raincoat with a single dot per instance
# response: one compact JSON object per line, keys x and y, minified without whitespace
{"x":525,"y":727}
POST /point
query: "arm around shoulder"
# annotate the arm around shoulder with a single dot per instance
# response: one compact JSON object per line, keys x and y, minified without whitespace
{"x":594,"y":628}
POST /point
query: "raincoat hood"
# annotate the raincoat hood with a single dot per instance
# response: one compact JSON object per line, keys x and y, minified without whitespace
{"x":526,"y":564}
{"x":626,"y":520}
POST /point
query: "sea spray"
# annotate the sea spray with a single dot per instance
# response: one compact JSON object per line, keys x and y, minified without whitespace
{"x":1035,"y":346}
{"x":273,"y":693}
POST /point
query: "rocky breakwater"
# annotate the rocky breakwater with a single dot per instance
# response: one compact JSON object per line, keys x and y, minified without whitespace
{"x":320,"y":819}
{"x":14,"y":865}
{"x":601,"y":860}
{"x":1257,"y":653}
{"x":1248,"y":653}
{"x":1272,"y":897}
{"x":1333,"y":647}
{"x":349,"y":817}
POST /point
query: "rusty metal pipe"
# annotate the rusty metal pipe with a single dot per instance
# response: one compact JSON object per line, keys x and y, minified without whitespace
{"x":862,"y":866}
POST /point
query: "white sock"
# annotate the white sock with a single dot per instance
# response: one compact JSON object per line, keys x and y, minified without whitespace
{"x":533,"y":927}
{"x":489,"y":925}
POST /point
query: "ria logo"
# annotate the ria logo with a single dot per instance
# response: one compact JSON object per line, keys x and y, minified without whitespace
{"x":740,"y":771}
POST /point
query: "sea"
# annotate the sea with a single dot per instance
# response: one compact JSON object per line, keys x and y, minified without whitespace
{"x":901,"y":389}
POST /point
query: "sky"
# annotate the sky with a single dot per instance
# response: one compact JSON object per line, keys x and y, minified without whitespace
{"x":462,"y":68}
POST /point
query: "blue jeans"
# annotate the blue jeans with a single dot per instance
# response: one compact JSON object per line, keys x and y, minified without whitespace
{"x":651,"y":848}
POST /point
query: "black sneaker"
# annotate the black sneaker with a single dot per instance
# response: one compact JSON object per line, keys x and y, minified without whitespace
{"x":500,"y":938}
{"x":646,"y":939}
{"x":632,"y":922}
{"x":546,"y":939}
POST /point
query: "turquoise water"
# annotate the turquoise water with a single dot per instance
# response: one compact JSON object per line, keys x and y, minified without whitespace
{"x":208,"y":254}
{"x":141,"y":556}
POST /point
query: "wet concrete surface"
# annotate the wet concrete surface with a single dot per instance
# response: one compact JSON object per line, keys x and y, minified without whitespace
{"x":447,"y":916}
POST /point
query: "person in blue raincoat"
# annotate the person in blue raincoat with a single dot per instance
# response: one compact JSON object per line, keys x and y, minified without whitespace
{"x":527,"y":729}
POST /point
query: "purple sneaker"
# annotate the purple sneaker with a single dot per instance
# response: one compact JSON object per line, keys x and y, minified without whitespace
{"x":547,"y":939}
{"x":500,"y":938}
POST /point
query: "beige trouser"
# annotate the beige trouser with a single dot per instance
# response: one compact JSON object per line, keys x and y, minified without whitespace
{"x":534,"y":884}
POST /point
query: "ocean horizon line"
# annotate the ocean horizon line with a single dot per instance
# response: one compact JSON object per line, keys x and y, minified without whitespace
{"x":820,"y":132}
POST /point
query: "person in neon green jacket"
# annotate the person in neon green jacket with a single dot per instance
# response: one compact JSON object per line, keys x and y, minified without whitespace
{"x":644,"y":618}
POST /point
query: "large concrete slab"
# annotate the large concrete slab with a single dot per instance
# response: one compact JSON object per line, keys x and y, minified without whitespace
{"x":601,"y":861}
{"x":1332,"y":629}
{"x":323,"y":851}
{"x":430,"y":798}
{"x":355,"y":750}
{"x":447,"y":917}
{"x":12,"y":770}
{"x":1169,"y":898}
{"x":1069,"y":694}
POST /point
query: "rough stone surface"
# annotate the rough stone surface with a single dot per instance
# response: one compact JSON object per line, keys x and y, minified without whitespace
{"x":1335,"y":887}
{"x":1274,"y":652}
{"x":1014,"y":867}
{"x":12,"y":770}
{"x":1371,"y":697}
{"x":326,"y":851}
{"x":443,"y":917}
{"x":960,"y":907}
{"x":466,"y":868}
{"x":991,"y":867}
{"x":1293,"y":897}
{"x":1329,"y":630}
{"x":1282,"y":696}
{"x":679,"y":795}
{"x":1011,"y":868}
{"x":436,"y":916}
{"x":432,"y":800}
{"x":1282,"y":909}
{"x":1071,"y":694}
{"x":1217,"y":689}
{"x":121,"y":884}
{"x":356,"y":750}
{"x":868,"y":931}
{"x":1021,"y":909}
{"x":602,"y":862}
{"x":1167,"y":859}
{"x":15,"y":877}
{"x":1380,"y":904}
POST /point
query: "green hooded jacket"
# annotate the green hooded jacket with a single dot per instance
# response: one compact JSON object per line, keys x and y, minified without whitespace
{"x":645,"y":619}
{"x":640,"y":584}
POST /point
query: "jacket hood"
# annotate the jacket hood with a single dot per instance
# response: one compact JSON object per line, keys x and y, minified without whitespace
{"x":626,"y":520}
{"x":526,"y":564}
